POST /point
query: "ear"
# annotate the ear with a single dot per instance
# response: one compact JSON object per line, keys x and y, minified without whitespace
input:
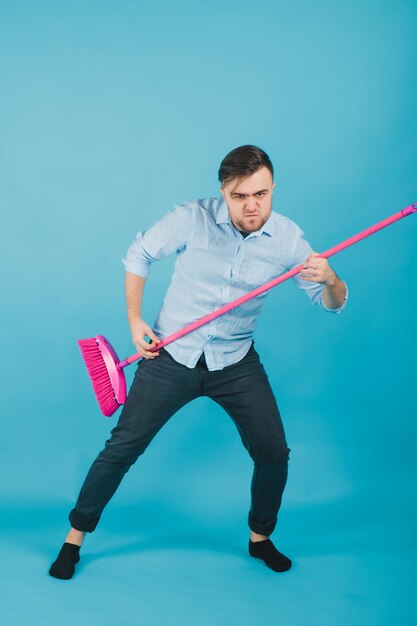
{"x":273,"y":185}
{"x":222,"y":190}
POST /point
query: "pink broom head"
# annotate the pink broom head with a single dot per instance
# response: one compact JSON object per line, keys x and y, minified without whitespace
{"x":107,"y":378}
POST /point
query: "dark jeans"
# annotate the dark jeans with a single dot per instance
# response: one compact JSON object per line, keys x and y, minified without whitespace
{"x":160,"y":388}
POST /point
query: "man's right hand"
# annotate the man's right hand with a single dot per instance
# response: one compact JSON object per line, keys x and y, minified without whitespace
{"x":140,"y":329}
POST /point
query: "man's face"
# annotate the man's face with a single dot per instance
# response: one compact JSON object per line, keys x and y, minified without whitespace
{"x":249,"y":200}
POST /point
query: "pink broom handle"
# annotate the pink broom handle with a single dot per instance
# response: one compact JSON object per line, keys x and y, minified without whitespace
{"x":412,"y":208}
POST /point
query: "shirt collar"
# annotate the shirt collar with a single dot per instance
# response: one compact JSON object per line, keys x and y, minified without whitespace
{"x":223,"y":217}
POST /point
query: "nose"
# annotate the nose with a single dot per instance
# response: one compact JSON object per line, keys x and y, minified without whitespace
{"x":251,"y":205}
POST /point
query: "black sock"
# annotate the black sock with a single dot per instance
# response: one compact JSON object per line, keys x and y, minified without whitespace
{"x":64,"y":566}
{"x":266,"y":551}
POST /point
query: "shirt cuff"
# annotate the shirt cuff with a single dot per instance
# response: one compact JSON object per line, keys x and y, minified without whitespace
{"x":341,"y":307}
{"x":136,"y":267}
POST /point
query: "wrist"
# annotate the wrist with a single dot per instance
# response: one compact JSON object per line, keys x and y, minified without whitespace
{"x":331,"y":282}
{"x":133,"y":318}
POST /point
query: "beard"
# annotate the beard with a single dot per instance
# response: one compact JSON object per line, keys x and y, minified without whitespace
{"x":248,"y":224}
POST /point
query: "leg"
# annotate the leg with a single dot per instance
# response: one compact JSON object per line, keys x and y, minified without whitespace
{"x":243,"y":390}
{"x":160,"y":388}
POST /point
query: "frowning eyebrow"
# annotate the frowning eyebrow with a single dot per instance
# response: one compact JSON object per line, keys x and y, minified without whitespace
{"x":245,"y":195}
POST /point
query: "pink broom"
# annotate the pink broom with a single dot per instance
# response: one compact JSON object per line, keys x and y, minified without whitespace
{"x":106,"y":370}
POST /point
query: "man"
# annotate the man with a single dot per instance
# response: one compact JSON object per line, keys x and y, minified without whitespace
{"x":224,"y":248}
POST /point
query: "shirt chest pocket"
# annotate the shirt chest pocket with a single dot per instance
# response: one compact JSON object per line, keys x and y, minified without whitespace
{"x":257,"y":273}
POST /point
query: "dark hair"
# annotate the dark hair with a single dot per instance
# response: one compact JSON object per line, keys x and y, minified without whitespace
{"x":242,"y":162}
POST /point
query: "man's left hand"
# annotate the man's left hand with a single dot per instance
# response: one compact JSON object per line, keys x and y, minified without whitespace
{"x":317,"y":270}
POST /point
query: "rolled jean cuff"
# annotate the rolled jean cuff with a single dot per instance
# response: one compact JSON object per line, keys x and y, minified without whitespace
{"x":82,"y":522}
{"x":261,"y":528}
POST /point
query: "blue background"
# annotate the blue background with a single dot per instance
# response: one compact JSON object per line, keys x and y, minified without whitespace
{"x":110,"y":113}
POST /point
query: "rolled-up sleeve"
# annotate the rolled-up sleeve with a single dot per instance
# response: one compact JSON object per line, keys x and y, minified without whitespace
{"x":300,"y":251}
{"x":341,"y":307}
{"x":166,"y":236}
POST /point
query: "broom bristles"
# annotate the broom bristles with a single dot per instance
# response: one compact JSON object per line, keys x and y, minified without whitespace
{"x":99,"y":376}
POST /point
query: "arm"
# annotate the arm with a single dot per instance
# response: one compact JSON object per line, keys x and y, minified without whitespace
{"x":318,"y":270}
{"x":317,"y":278}
{"x":164,"y":237}
{"x":134,"y":286}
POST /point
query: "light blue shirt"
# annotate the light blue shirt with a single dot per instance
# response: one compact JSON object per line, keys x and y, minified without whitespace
{"x":214,"y":265}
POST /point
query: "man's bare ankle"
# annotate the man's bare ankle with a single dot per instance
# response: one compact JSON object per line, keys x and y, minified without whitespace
{"x":75,"y":536}
{"x":256,"y":537}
